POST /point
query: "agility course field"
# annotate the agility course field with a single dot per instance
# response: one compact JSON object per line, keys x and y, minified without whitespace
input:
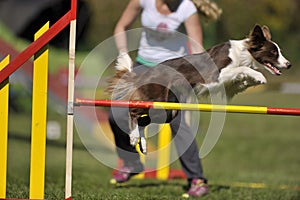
{"x":256,"y":157}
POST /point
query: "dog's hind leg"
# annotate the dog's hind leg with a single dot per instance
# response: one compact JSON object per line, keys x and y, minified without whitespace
{"x":142,"y":142}
{"x":137,"y":136}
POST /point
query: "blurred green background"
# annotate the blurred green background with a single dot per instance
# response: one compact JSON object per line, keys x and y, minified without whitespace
{"x":238,"y":17}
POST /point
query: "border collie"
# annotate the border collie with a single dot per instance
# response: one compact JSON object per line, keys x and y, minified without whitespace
{"x":231,"y":65}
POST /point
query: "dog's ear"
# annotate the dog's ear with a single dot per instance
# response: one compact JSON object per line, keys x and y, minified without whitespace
{"x":256,"y":37}
{"x":257,"y":34}
{"x":266,"y":32}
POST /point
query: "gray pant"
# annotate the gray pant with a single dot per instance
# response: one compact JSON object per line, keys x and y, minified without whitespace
{"x":183,"y":137}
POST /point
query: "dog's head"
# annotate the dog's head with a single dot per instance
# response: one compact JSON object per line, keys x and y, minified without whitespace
{"x":266,"y":52}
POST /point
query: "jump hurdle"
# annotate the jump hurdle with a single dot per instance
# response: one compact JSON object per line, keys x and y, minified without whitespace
{"x":39,"y":50}
{"x":163,"y":171}
{"x":191,"y":107}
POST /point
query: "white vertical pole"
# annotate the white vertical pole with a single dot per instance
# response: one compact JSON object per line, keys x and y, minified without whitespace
{"x":70,"y":117}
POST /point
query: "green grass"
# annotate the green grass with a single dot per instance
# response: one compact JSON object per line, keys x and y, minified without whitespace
{"x":252,"y":149}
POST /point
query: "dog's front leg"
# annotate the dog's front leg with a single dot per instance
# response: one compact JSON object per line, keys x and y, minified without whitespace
{"x":252,"y":77}
{"x":237,"y":80}
{"x":240,"y":74}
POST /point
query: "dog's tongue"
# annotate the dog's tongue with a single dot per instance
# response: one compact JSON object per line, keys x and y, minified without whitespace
{"x":274,"y":69}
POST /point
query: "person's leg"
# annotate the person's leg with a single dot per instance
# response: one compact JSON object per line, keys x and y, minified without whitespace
{"x":118,"y":119}
{"x":119,"y":123}
{"x":187,"y":147}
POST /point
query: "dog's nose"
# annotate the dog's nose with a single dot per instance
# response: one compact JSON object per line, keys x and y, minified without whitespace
{"x":288,"y":65}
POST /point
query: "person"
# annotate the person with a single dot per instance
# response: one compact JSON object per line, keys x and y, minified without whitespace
{"x":161,"y":19}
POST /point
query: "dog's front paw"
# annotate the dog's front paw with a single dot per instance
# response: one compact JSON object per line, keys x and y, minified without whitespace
{"x":260,"y":79}
{"x":255,"y":78}
{"x":251,"y":76}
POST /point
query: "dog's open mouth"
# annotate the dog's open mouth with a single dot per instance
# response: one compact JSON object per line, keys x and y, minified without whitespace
{"x":272,"y":68}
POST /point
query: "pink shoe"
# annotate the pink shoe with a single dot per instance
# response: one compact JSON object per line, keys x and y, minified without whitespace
{"x":126,"y":172}
{"x":198,"y":188}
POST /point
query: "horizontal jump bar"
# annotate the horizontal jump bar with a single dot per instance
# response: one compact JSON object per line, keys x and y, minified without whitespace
{"x":191,"y":107}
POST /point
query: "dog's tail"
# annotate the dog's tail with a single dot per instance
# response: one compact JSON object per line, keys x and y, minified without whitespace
{"x":208,"y":8}
{"x":124,"y":63}
{"x":121,"y":85}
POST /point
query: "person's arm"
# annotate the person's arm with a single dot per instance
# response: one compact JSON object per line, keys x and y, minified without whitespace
{"x":194,"y":31}
{"x":129,"y":15}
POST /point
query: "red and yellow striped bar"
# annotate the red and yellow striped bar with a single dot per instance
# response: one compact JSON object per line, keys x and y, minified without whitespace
{"x":192,"y":107}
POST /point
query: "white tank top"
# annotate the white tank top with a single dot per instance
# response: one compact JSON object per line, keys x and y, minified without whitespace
{"x":160,"y":39}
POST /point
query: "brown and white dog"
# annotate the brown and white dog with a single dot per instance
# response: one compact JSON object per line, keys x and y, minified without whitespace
{"x":231,"y":65}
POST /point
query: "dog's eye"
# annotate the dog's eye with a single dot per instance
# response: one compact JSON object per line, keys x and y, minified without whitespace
{"x":274,"y":52}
